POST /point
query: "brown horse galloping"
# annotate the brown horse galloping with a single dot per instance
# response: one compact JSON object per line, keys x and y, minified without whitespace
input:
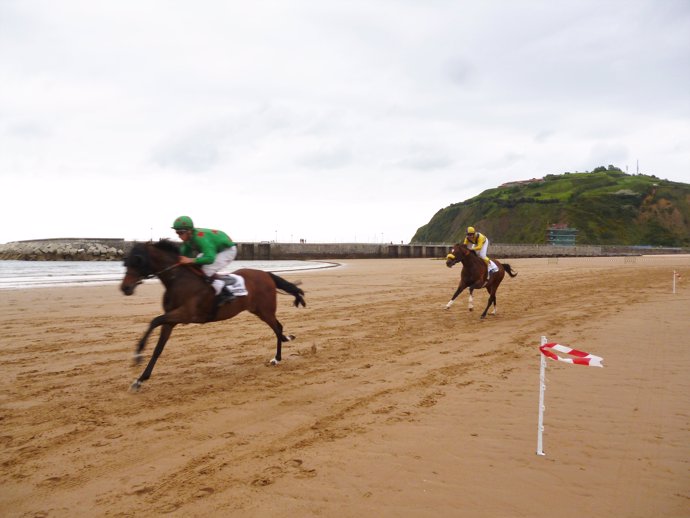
{"x":189,"y":298}
{"x":474,"y":273}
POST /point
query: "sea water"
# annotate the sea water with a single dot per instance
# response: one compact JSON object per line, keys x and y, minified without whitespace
{"x":46,"y":274}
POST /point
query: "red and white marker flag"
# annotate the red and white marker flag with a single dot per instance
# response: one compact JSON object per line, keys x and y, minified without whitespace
{"x":576,"y":357}
{"x":579,"y":357}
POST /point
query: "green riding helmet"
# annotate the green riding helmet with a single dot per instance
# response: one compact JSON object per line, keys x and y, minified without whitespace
{"x":183,"y":223}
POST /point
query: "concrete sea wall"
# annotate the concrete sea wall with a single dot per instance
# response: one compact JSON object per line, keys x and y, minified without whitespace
{"x":82,"y":249}
{"x":317,"y":251}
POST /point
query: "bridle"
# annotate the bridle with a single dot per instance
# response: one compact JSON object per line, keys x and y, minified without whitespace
{"x":145,"y":261}
{"x":142,"y":278}
{"x":451,"y":257}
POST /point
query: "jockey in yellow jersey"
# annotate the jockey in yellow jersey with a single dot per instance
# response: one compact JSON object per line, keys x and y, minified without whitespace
{"x":213,"y":250}
{"x":479,"y":243}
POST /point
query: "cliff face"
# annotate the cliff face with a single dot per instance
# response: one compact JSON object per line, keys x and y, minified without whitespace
{"x":66,"y":249}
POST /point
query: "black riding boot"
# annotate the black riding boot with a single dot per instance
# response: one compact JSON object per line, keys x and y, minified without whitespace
{"x":224,"y":297}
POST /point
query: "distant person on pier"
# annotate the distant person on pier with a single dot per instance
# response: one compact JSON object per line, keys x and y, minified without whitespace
{"x":213,"y":250}
{"x":480,"y":244}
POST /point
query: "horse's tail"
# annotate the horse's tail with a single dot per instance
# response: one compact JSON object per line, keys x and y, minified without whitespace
{"x":508,"y":269}
{"x":290,"y":288}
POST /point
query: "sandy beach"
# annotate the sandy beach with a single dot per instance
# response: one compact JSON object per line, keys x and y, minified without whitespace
{"x":386,"y":405}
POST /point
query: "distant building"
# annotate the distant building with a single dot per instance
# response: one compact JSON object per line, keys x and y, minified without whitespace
{"x":561,"y":235}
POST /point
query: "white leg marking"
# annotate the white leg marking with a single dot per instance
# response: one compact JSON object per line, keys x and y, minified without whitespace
{"x":450,"y":303}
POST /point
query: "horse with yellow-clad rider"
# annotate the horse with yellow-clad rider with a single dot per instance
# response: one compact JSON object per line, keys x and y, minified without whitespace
{"x":480,"y":244}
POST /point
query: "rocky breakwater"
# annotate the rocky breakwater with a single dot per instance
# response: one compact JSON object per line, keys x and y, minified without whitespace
{"x":65,"y":249}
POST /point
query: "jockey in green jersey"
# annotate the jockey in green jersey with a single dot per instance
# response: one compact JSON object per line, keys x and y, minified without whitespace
{"x":213,"y":250}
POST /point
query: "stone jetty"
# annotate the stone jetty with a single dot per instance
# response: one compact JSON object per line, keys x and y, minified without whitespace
{"x":66,"y":249}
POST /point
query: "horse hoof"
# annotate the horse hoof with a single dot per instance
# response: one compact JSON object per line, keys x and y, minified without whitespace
{"x":136,"y":359}
{"x":274,"y":362}
{"x":471,"y":309}
{"x":134,"y":387}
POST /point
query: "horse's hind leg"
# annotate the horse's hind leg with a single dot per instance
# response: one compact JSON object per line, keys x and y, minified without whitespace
{"x":277,"y":327}
{"x":492,"y":300}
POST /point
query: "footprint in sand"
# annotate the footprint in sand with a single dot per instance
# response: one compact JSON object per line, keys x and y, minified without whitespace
{"x":300,"y":471}
{"x":306,"y":473}
{"x":204,"y":491}
{"x":142,"y":490}
{"x":262,"y":481}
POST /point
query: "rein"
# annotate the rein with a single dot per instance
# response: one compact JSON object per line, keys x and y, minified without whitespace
{"x":157,"y":274}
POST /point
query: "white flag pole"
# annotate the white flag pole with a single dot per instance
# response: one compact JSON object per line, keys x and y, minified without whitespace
{"x":674,"y":281}
{"x":542,"y":389}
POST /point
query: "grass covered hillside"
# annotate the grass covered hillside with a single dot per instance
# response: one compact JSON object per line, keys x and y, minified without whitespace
{"x":606,"y":205}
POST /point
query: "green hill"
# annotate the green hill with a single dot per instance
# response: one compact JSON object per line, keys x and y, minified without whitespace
{"x":607,"y":206}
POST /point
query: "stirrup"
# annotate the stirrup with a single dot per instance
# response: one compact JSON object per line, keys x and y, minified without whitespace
{"x":224,"y":297}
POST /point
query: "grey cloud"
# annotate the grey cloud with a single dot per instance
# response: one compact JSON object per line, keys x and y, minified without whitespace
{"x":605,"y":154}
{"x":192,"y":153}
{"x":327,"y":158}
{"x":28,"y":130}
{"x":459,"y":71}
{"x":425,"y":162}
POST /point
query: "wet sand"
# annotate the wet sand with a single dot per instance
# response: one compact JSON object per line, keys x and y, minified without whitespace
{"x":385,"y":405}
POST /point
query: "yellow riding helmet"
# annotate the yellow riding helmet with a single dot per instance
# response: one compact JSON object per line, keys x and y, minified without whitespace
{"x":470,"y":230}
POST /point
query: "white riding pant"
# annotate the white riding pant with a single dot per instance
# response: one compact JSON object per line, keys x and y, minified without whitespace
{"x":223,"y":259}
{"x":482,"y":251}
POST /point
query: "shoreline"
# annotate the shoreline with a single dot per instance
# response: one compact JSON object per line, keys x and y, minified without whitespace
{"x":6,"y":282}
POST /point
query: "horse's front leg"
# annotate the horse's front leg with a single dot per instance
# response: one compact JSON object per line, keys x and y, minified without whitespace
{"x":142,"y":343}
{"x":455,"y":296}
{"x":166,"y":331}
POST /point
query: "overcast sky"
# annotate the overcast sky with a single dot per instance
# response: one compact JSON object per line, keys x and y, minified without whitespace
{"x":330,"y":121}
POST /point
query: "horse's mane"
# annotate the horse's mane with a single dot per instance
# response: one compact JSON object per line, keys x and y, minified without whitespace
{"x":165,"y":245}
{"x":139,"y":255}
{"x":471,"y":252}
